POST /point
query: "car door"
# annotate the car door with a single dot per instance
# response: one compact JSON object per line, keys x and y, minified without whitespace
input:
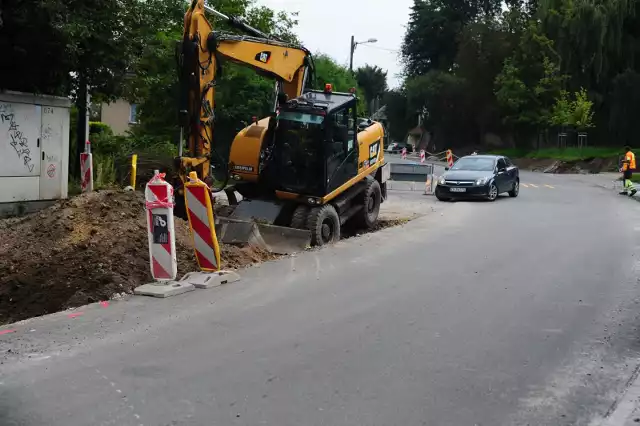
{"x":512,"y":172}
{"x":502,"y":176}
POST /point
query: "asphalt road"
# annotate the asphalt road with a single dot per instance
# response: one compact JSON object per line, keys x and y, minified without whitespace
{"x":519,"y":312}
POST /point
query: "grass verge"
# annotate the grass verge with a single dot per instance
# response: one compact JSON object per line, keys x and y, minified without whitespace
{"x":566,"y":154}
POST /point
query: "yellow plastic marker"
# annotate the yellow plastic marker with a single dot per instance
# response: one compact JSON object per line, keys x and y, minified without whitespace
{"x":202,"y":223}
{"x":134,"y":169}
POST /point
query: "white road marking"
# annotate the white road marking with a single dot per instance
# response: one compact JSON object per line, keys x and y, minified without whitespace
{"x":627,"y":406}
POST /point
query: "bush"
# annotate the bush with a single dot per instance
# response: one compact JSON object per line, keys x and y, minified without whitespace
{"x":99,"y":128}
{"x":105,"y":171}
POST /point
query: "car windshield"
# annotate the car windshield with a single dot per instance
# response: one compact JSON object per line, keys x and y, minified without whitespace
{"x":483,"y":164}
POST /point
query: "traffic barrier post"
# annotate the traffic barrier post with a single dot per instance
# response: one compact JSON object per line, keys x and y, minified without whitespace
{"x":422,"y":155}
{"x":449,"y":158}
{"x":159,"y":204}
{"x":86,"y":168}
{"x":203,"y":235}
{"x":404,"y":153}
{"x":428,"y":185}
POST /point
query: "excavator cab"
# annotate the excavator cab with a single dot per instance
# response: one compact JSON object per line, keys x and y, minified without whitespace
{"x":321,"y":172}
{"x":316,"y":143}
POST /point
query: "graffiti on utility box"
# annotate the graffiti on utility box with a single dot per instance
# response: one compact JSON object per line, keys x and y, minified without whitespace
{"x":17,"y":139}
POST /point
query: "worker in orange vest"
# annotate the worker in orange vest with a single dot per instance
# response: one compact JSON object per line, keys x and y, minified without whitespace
{"x":628,"y":166}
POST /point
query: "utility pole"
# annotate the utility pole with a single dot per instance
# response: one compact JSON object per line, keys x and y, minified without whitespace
{"x":352,"y":49}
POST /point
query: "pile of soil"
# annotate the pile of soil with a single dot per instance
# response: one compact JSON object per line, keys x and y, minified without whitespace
{"x":84,"y":250}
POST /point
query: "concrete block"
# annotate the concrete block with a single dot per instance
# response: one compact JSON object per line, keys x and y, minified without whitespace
{"x":210,"y":279}
{"x":171,"y":288}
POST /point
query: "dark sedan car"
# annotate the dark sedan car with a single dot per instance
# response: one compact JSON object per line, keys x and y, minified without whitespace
{"x":485,"y":176}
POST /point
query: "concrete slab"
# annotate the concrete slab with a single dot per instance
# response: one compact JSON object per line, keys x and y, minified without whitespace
{"x":172,"y":288}
{"x":206,"y":280}
{"x":405,"y":186}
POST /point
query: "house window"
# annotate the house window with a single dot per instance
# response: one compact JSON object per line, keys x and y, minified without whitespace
{"x":133,"y":113}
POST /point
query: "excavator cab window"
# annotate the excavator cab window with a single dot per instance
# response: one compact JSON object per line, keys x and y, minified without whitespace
{"x":299,"y":139}
{"x":342,"y":159}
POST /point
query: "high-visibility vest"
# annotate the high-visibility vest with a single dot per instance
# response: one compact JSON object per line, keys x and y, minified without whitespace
{"x":630,"y":161}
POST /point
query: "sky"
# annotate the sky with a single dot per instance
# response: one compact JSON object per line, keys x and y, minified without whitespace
{"x":326,"y":26}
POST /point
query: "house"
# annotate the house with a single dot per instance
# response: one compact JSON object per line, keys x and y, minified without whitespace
{"x":120,"y":115}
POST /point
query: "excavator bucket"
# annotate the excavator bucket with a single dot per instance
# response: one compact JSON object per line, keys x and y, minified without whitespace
{"x":251,"y":223}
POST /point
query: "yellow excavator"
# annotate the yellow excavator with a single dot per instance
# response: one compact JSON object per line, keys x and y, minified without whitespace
{"x":299,"y":174}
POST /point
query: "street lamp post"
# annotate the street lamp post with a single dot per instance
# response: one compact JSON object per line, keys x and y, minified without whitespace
{"x":355,"y":43}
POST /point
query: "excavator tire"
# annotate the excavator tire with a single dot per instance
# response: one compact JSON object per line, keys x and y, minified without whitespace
{"x":324,"y":224}
{"x":299,"y":218}
{"x":371,"y":199}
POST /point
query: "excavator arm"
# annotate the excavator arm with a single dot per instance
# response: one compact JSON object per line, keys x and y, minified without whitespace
{"x":199,"y":62}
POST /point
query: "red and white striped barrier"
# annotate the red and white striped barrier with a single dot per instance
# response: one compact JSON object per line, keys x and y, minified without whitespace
{"x":404,"y":153}
{"x":203,"y":231}
{"x":86,"y":168}
{"x":422,"y":155}
{"x":449,"y":158}
{"x":161,"y":232}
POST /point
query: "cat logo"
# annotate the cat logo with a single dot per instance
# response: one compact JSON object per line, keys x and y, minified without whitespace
{"x":263,"y":57}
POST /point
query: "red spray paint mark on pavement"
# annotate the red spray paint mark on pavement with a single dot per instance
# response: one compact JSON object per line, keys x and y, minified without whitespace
{"x":6,"y":332}
{"x":77,"y":314}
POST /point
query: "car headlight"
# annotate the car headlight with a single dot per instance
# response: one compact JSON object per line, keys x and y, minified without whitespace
{"x":441,"y":180}
{"x":482,"y":181}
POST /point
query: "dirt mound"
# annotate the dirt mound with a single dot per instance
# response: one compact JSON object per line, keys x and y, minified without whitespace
{"x":85,"y":250}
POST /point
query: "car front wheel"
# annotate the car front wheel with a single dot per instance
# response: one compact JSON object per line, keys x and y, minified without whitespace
{"x":516,"y":189}
{"x":492,"y":195}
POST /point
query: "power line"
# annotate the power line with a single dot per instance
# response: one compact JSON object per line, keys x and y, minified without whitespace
{"x":381,"y":48}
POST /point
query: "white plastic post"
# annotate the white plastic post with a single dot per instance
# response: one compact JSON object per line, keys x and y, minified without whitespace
{"x":422,"y":155}
{"x":161,"y":231}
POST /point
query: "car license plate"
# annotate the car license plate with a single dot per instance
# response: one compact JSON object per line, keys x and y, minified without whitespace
{"x":458,"y":189}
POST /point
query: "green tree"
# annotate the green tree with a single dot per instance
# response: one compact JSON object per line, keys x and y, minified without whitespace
{"x":625,"y":108}
{"x":400,"y":118}
{"x":431,"y":40}
{"x":339,"y":76}
{"x":530,"y":83}
{"x":373,"y":82}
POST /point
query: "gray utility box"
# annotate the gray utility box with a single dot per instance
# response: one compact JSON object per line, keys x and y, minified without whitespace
{"x":34,"y":148}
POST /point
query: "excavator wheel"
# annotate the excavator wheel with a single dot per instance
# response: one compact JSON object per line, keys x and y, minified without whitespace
{"x":324,"y":224}
{"x":299,"y":218}
{"x":371,"y":199}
